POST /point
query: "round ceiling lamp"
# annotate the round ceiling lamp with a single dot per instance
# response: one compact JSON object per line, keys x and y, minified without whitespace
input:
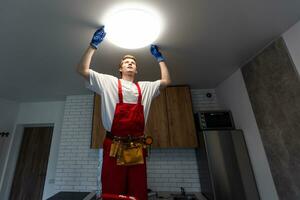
{"x":132,"y":26}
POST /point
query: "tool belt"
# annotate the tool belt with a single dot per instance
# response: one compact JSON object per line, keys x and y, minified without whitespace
{"x":128,"y":150}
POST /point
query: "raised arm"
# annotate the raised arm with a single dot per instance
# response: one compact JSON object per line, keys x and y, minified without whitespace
{"x":85,"y":61}
{"x":165,"y":76}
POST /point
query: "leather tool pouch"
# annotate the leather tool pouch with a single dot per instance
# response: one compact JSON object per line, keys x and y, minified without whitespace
{"x":114,"y":147}
{"x":130,"y":154}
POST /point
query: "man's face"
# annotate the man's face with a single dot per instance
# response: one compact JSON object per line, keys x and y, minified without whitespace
{"x":128,"y":67}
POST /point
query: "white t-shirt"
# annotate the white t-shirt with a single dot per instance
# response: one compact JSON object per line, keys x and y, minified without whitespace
{"x":107,"y":86}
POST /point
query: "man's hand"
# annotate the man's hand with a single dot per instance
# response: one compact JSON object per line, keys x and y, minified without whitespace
{"x":155,"y":52}
{"x":165,"y":77}
{"x":98,"y":37}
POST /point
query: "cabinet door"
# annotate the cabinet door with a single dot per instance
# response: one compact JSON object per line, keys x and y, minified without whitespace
{"x":180,"y":117}
{"x":157,"y":123}
{"x":98,"y":131}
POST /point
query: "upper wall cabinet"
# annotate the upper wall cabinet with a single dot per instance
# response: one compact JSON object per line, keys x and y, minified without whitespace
{"x":157,"y":124}
{"x":170,"y":120}
{"x":182,"y":132}
{"x":98,"y":131}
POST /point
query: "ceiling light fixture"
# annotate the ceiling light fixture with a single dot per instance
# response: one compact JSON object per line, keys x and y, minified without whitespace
{"x":132,"y":26}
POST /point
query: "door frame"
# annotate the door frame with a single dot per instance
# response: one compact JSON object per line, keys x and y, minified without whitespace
{"x":11,"y":161}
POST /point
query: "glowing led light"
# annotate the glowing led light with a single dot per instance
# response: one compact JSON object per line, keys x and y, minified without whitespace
{"x":132,"y":27}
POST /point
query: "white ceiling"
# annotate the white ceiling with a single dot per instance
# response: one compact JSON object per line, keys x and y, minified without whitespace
{"x":204,"y":41}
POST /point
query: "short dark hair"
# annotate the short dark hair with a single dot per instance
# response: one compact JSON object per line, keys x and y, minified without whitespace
{"x":125,"y":57}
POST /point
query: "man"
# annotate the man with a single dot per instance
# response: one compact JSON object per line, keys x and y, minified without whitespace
{"x":125,"y":107}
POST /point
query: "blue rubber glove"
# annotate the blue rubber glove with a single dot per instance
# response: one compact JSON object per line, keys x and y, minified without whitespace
{"x":98,"y":37}
{"x":155,"y":52}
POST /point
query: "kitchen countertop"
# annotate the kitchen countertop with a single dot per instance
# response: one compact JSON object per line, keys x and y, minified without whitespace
{"x":64,"y":195}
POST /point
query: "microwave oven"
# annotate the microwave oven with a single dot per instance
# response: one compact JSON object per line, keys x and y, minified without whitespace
{"x":215,"y":120}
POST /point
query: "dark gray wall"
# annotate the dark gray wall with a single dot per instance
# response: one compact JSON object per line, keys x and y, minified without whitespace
{"x":273,"y":86}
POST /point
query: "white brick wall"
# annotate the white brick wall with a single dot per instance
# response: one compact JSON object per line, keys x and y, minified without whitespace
{"x":76,"y":170}
{"x":77,"y":163}
{"x":170,"y":169}
{"x":202,"y":102}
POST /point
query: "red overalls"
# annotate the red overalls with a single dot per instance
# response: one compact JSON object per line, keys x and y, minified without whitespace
{"x":127,"y":180}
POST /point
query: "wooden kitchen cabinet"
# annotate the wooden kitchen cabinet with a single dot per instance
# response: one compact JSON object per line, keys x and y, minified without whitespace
{"x":98,"y":131}
{"x":170,"y":120}
{"x":182,"y":131}
{"x":157,"y":123}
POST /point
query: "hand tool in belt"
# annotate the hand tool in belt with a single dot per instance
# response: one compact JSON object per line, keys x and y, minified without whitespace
{"x":118,"y":143}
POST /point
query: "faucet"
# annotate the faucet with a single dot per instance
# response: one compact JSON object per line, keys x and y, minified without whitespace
{"x":182,"y":191}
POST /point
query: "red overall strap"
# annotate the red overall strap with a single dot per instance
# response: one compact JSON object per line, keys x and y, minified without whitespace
{"x":120,"y":91}
{"x":140,"y":93}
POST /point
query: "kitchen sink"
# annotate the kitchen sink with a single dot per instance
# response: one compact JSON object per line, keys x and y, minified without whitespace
{"x":184,"y":197}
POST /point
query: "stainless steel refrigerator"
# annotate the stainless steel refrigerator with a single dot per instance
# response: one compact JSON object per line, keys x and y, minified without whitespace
{"x":224,"y":166}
